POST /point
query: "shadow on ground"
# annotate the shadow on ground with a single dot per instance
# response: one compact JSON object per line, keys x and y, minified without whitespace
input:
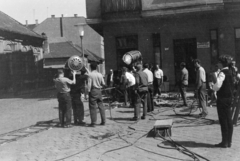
{"x":40,"y":95}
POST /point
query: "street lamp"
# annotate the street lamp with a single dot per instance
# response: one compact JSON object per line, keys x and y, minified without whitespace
{"x":80,"y":27}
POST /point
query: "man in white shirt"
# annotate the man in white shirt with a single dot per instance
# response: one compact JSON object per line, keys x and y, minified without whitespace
{"x":224,"y":85}
{"x":158,"y":80}
{"x":213,"y":94}
{"x":201,"y":87}
{"x":129,"y":83}
{"x":150,"y":87}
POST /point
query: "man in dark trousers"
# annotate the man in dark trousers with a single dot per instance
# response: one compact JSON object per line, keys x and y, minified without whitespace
{"x":183,"y":82}
{"x":95,"y":83}
{"x":150,"y":87}
{"x":77,"y":104}
{"x":201,"y":87}
{"x":64,"y":99}
{"x":224,"y":85}
{"x":141,"y":90}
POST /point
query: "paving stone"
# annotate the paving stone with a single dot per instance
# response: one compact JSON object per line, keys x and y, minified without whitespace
{"x":88,"y":144}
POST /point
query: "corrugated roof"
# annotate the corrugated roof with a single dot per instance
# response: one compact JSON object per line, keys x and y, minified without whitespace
{"x":9,"y":24}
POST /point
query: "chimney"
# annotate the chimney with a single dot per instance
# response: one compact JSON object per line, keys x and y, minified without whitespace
{"x":62,"y":15}
{"x":36,"y":22}
{"x":26,"y":22}
{"x":53,"y":16}
{"x":75,"y":15}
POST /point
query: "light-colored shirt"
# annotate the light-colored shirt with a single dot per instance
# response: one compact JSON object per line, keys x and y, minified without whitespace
{"x":111,"y":77}
{"x":131,"y":79}
{"x":149,"y":74}
{"x":158,"y":73}
{"x":184,"y":76}
{"x":201,"y":77}
{"x":211,"y":78}
{"x":62,"y":84}
{"x":95,"y":80}
{"x":220,"y":79}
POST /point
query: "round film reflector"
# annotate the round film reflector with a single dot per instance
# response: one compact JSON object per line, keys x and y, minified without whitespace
{"x":75,"y":63}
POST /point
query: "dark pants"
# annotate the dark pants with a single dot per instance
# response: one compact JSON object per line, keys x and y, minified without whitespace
{"x":110,"y":92}
{"x":78,"y":108}
{"x":125,"y":92}
{"x":65,"y":108}
{"x":150,"y":98}
{"x":225,"y":119}
{"x":202,"y":98}
{"x":157,"y":86}
{"x":95,"y":101}
{"x":183,"y":89}
{"x":131,"y":95}
{"x":140,"y":98}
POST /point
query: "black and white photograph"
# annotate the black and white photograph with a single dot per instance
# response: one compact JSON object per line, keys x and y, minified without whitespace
{"x":119,"y":80}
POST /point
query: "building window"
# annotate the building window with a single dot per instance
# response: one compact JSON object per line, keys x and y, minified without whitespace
{"x":214,"y":46}
{"x":237,"y":33}
{"x":157,"y":48}
{"x":237,"y":46}
{"x":125,"y":44}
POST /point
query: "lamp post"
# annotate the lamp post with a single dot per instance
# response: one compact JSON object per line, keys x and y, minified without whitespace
{"x":80,"y":27}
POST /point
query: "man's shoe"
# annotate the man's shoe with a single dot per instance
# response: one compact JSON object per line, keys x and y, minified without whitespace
{"x":229,"y":145}
{"x":135,"y":119}
{"x":92,"y":125}
{"x":202,"y":115}
{"x":103,"y":123}
{"x":67,"y":126}
{"x":221,"y":145}
{"x":143,"y":117}
{"x":82,"y":123}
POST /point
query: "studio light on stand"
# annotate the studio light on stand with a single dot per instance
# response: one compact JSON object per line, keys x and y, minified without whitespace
{"x":132,"y":57}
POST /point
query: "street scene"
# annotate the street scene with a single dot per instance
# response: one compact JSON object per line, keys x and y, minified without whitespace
{"x":119,"y":139}
{"x":117,"y":80}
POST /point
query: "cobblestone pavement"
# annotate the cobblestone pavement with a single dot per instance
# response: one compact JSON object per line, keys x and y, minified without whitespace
{"x":119,"y":140}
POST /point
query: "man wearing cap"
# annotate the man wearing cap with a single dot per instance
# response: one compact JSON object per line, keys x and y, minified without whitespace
{"x":150,"y":87}
{"x":183,"y":82}
{"x":64,"y":99}
{"x":95,"y":83}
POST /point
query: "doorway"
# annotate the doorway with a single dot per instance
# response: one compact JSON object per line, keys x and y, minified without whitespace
{"x":185,"y":50}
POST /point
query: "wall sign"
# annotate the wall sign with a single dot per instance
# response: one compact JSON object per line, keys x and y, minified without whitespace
{"x":203,"y":44}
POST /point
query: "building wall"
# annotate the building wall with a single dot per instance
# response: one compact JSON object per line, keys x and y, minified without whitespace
{"x":91,"y":40}
{"x":170,"y":28}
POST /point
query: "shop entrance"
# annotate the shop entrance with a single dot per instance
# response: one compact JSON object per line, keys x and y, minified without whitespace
{"x":185,"y":50}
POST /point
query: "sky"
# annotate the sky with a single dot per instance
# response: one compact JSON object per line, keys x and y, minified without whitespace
{"x":31,"y":10}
